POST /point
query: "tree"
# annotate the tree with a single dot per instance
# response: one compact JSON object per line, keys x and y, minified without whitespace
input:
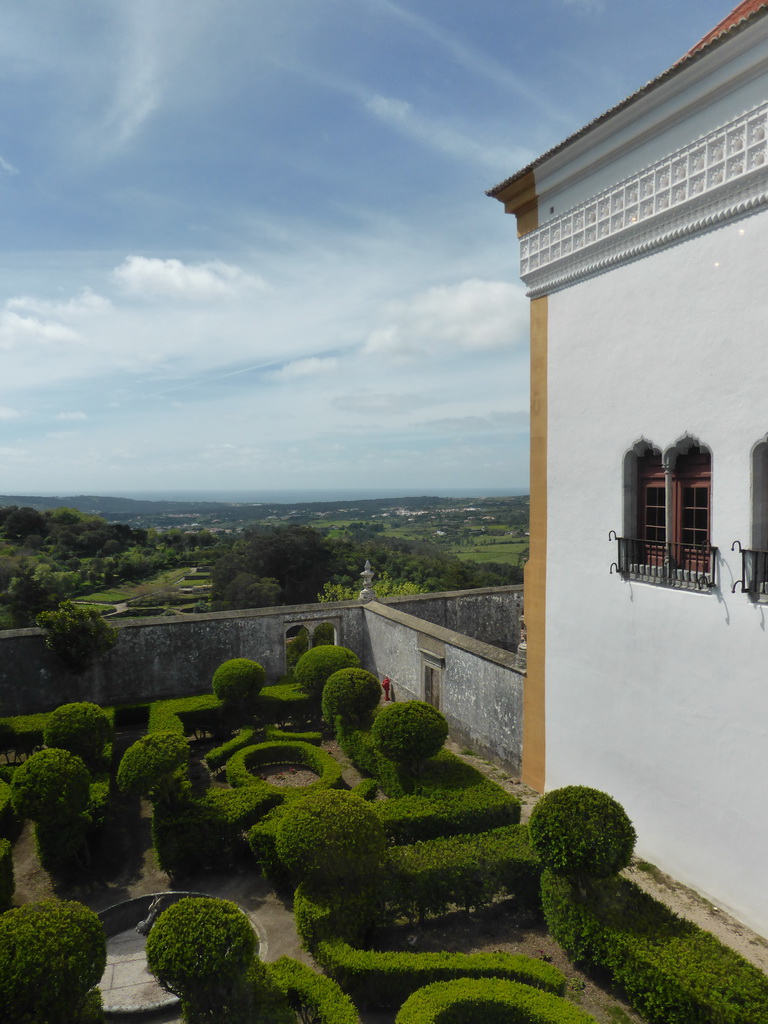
{"x":409,"y":733}
{"x":52,"y":788}
{"x":150,"y":766}
{"x":315,"y":667}
{"x":351,"y":693}
{"x":237,"y":683}
{"x":78,"y":636}
{"x":52,"y":955}
{"x":581,"y":833}
{"x":28,"y":595}
{"x":203,"y":950}
{"x":384,"y":586}
{"x":330,"y":838}
{"x":82,"y":729}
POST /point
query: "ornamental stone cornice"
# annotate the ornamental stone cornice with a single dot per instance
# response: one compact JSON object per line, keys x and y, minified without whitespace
{"x":718,"y":178}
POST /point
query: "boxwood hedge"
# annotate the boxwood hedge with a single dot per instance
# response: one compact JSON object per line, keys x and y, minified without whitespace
{"x":312,"y":996}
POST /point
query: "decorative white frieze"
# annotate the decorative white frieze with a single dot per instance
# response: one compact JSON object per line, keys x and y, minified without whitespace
{"x":721,"y":176}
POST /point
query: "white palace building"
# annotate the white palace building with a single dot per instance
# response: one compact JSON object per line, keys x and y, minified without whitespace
{"x":644,"y":247}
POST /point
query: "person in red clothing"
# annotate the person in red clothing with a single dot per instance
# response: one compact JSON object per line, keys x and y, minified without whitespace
{"x":385,"y":685}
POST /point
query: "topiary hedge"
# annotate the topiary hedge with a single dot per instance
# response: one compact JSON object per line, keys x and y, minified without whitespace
{"x":284,"y":703}
{"x":352,"y":694}
{"x":487,"y":1001}
{"x":331,"y":839}
{"x":432,"y":877}
{"x":672,"y":971}
{"x":211,"y":974}
{"x":184,"y":715}
{"x":21,"y":735}
{"x":83,"y":729}
{"x":582,"y":833}
{"x":7,"y":885}
{"x":409,"y":733}
{"x":155,"y":766}
{"x":52,"y":955}
{"x":242,"y":764}
{"x":237,"y":684}
{"x":311,"y":995}
{"x":314,"y":668}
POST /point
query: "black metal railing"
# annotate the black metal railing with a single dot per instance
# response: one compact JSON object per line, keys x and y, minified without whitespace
{"x":689,"y":566}
{"x":754,"y":571}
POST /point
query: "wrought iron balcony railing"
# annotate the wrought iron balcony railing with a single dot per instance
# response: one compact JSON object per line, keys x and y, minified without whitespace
{"x":687,"y":566}
{"x":754,"y":571}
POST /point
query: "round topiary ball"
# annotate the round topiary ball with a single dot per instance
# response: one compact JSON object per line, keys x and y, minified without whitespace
{"x":331,"y":838}
{"x":82,"y":729}
{"x":51,"y":786}
{"x":351,"y":693}
{"x":314,"y":668}
{"x":238,"y":681}
{"x":202,"y":950}
{"x":580,"y":832}
{"x":51,"y":955}
{"x":409,"y":733}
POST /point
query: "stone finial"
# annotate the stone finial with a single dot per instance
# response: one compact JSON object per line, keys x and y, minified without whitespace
{"x":522,"y":648}
{"x":367,"y":593}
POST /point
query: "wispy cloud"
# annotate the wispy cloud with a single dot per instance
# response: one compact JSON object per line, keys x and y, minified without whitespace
{"x":7,"y":413}
{"x":470,"y":316}
{"x":444,"y":138}
{"x":310,"y":367}
{"x":71,"y":416}
{"x":152,"y":278}
{"x":18,"y":330}
{"x":86,"y":303}
{"x":7,"y":168}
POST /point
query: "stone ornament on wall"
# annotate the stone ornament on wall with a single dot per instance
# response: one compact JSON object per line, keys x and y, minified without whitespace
{"x":721,"y":176}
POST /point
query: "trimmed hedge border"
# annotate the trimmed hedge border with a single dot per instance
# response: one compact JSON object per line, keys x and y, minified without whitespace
{"x":673,"y":972}
{"x":181,"y":714}
{"x":490,"y":1001}
{"x":327,"y":767}
{"x":310,"y":993}
{"x":7,"y":884}
{"x":429,"y":878}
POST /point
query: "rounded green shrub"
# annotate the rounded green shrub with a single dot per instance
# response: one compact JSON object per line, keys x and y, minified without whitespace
{"x":203,"y":951}
{"x":581,"y":832}
{"x":52,"y":954}
{"x":82,"y":729}
{"x":52,"y":786}
{"x":150,"y":765}
{"x":316,"y":666}
{"x":409,"y":733}
{"x":351,"y":693}
{"x":238,"y":681}
{"x":331,"y":838}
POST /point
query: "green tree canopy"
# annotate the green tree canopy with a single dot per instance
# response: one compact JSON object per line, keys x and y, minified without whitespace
{"x":581,"y":833}
{"x":409,"y":733}
{"x":150,"y":765}
{"x":331,"y":838}
{"x":52,"y":954}
{"x":314,"y":668}
{"x":203,"y":950}
{"x":352,"y":693}
{"x":82,"y":729}
{"x":78,"y":636}
{"x":51,"y":786}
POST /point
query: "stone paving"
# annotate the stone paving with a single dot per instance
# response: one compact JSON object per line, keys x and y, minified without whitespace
{"x":127,"y":986}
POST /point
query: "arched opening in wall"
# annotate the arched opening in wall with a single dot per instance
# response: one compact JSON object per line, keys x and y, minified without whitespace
{"x":645,"y":501}
{"x":759,"y":538}
{"x":296,"y":643}
{"x":324,"y":633}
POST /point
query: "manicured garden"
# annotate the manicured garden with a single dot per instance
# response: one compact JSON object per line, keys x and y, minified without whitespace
{"x":243,"y":779}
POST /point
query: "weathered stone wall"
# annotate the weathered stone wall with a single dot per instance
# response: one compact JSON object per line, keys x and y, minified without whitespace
{"x":478,"y":687}
{"x":492,"y":615}
{"x":480,"y":690}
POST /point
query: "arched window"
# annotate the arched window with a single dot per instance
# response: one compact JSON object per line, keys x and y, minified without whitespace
{"x":667,"y":515}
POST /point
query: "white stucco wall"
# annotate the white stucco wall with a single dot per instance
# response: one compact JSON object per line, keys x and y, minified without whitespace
{"x":660,"y":696}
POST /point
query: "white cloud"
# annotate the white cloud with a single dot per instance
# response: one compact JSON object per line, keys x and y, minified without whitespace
{"x":8,"y":414}
{"x":470,"y":316}
{"x":71,"y":416}
{"x":305,"y":368}
{"x":153,"y":278}
{"x":18,"y":330}
{"x":7,"y":168}
{"x":85,"y":303}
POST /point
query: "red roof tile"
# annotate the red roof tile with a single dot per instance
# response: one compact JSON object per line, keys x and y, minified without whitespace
{"x":739,"y":13}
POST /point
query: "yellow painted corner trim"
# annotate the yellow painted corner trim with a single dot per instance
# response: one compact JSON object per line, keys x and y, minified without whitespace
{"x":534,"y":702}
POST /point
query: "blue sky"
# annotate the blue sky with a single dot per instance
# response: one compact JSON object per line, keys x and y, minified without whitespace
{"x":245,"y":243}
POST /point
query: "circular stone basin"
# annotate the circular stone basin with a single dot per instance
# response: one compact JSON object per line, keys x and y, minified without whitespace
{"x":285,"y":774}
{"x":127,"y":987}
